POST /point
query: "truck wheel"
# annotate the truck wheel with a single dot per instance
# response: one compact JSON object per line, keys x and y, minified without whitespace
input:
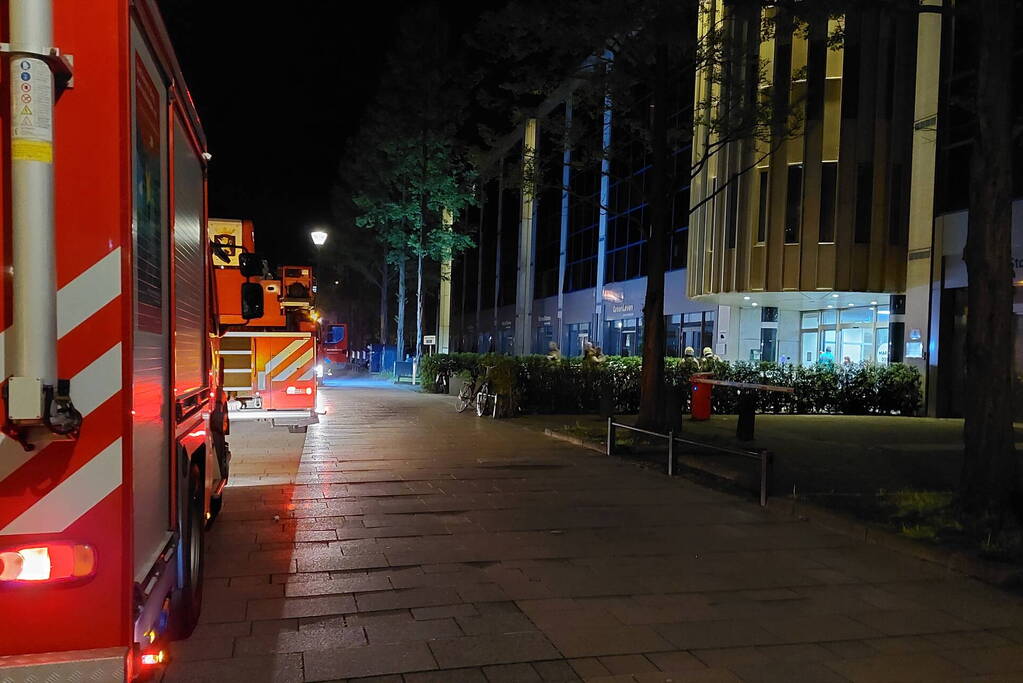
{"x":187,"y":600}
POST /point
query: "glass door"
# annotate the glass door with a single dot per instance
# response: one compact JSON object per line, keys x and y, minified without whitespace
{"x":808,"y":349}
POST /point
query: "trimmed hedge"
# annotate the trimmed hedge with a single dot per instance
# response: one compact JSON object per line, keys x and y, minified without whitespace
{"x":538,"y":384}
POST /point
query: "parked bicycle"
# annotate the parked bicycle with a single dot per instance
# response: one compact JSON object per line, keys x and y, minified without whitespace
{"x":443,"y":379}
{"x":477,"y":390}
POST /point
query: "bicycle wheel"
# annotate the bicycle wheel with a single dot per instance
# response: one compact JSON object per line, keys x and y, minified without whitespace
{"x":482,"y":399}
{"x":464,"y":398}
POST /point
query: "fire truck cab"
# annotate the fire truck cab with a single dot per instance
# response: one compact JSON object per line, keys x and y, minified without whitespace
{"x":113,"y":456}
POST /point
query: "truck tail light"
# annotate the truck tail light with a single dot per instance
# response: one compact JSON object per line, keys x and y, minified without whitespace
{"x":291,"y":391}
{"x":154,"y":658}
{"x":47,"y":563}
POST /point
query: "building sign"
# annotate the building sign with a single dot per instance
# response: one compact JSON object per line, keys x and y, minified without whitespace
{"x":429,"y":340}
{"x":544,"y":319}
{"x":623,"y":308}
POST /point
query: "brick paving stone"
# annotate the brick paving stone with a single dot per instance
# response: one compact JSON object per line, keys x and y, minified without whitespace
{"x":371,"y":660}
{"x":556,"y":672}
{"x":413,"y":630}
{"x":276,"y":669}
{"x":447,"y":676}
{"x":906,"y":667}
{"x":444,"y":611}
{"x":691,"y":676}
{"x":406,"y":599}
{"x":597,"y":642}
{"x":989,"y":660}
{"x":628,"y":664}
{"x":491,"y":649}
{"x":284,"y":608}
{"x":496,"y":623}
{"x":675,"y":661}
{"x":300,"y":641}
{"x":512,"y":673}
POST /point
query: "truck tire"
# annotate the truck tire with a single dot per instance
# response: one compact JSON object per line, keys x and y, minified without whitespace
{"x":186,"y":601}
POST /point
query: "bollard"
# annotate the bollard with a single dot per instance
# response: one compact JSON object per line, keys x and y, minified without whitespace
{"x":765,"y":472}
{"x":610,"y":436}
{"x":671,"y":454}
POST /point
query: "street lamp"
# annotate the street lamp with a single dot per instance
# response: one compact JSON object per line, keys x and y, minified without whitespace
{"x":319,"y":237}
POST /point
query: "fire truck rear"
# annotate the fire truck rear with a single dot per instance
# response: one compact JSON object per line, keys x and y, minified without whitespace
{"x":268,"y":341}
{"x":113,"y":455}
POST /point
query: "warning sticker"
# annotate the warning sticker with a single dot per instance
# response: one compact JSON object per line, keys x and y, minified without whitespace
{"x":32,"y":150}
{"x":32,"y":132}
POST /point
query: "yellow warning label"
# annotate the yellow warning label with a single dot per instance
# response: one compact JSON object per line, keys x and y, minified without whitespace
{"x":32,"y":150}
{"x":25,"y":111}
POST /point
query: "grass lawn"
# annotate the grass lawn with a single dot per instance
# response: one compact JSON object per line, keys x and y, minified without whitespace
{"x":896,"y":471}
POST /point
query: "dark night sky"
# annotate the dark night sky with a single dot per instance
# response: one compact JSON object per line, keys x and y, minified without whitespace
{"x":279,"y":87}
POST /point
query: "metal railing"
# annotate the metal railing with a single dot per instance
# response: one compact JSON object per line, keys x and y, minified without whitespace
{"x":764,"y":456}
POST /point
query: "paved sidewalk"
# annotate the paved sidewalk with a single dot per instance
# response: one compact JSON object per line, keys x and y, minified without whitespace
{"x":409,"y":543}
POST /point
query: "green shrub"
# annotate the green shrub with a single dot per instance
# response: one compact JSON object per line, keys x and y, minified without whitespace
{"x":539,"y":384}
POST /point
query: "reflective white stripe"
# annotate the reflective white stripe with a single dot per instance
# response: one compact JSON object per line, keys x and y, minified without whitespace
{"x":91,"y":387}
{"x":81,"y":298}
{"x":283,"y":355}
{"x":290,"y":370}
{"x":308,"y":375}
{"x":100,"y":380}
{"x":73,"y":497}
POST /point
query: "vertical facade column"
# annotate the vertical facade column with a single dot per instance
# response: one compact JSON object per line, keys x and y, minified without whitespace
{"x":496,"y":330}
{"x":444,"y":300}
{"x":479,"y":269}
{"x":527,"y":244}
{"x":922,"y":287}
{"x":566,"y":178}
{"x":596,"y":335}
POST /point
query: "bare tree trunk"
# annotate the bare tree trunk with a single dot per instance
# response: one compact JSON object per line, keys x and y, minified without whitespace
{"x":652,"y":388}
{"x":990,"y":477}
{"x":383,"y":302}
{"x":419,"y":276}
{"x":400,"y":340}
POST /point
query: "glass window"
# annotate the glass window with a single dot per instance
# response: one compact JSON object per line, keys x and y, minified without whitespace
{"x":673,"y":335}
{"x":883,"y":314}
{"x":864,"y":202}
{"x":762,"y":210}
{"x":829,"y":317}
{"x":829,"y":200}
{"x":732,"y":209}
{"x":881,"y":355}
{"x":769,"y":344}
{"x":863,"y":314}
{"x":769,"y":314}
{"x":896,"y":232}
{"x":811,"y":320}
{"x":794,"y":204}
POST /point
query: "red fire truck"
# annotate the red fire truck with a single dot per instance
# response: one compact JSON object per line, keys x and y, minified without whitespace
{"x":113,"y":455}
{"x":268,"y":331}
{"x":334,"y":348}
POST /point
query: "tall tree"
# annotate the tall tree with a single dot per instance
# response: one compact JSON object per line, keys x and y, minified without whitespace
{"x":410,"y":133}
{"x":641,"y":58}
{"x":990,"y":477}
